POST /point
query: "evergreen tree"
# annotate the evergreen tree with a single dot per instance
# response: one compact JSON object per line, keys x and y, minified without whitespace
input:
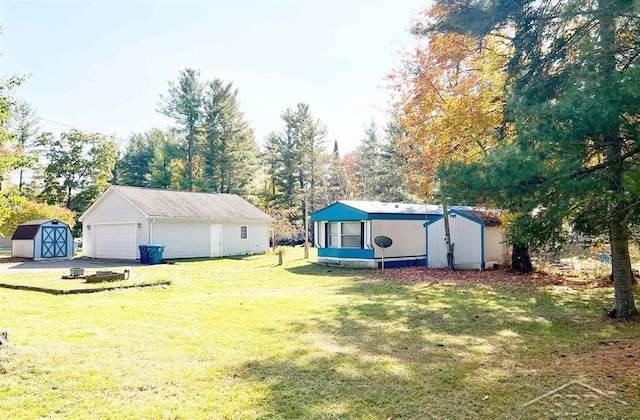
{"x":293,"y":161}
{"x":166,"y":167}
{"x":335,"y":185}
{"x":134,"y":166}
{"x":393,"y":186}
{"x":230,"y":150}
{"x":377,"y":168}
{"x":368,"y":165}
{"x":184,"y":104}
{"x":573,"y":105}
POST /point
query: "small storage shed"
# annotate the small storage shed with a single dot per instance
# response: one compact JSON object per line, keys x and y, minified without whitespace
{"x":42,"y":239}
{"x":187,"y":224}
{"x":477,"y":236}
{"x":345,"y":231}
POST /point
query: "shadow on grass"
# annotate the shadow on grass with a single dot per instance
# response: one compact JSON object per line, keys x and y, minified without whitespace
{"x":420,"y":351}
{"x":314,"y":269}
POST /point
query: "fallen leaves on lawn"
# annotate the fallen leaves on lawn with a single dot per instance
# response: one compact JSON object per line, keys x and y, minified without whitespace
{"x":501,"y":277}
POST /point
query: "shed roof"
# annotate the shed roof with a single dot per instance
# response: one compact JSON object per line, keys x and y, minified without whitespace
{"x":25,"y":231}
{"x":28,"y":230}
{"x":187,"y":205}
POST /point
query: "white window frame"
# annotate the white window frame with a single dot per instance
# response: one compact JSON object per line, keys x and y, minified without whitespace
{"x":244,"y":229}
{"x":336,"y":239}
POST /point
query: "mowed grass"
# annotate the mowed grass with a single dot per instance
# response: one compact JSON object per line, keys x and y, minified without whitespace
{"x":244,"y":338}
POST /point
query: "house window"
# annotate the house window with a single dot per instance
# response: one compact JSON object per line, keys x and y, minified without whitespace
{"x":333,"y":235}
{"x":243,"y":232}
{"x":351,"y":235}
{"x":344,"y":235}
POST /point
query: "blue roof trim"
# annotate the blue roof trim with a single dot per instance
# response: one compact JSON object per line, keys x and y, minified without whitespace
{"x":338,"y":212}
{"x":429,"y":222}
{"x":473,"y":219}
{"x":459,"y":213}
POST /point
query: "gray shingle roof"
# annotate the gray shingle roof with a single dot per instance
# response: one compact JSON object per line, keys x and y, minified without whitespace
{"x":189,"y":205}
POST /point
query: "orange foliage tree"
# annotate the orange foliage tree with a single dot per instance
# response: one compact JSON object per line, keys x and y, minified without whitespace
{"x":449,"y":99}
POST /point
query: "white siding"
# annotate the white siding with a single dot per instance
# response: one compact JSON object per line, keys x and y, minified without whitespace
{"x":408,"y":237}
{"x":191,"y":239}
{"x":183,"y":238}
{"x":112,"y":208}
{"x":495,"y":247}
{"x":465,"y":236}
{"x":257,"y":241}
{"x":22,"y":248}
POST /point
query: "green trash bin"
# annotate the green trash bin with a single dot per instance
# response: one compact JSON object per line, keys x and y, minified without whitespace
{"x":155,"y":253}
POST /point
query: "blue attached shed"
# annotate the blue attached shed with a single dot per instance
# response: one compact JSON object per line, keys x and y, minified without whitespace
{"x":344,"y":233}
{"x":42,"y":239}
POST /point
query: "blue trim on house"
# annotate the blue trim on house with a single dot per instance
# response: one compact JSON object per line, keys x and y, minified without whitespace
{"x":482,"y":263}
{"x":431,"y":221}
{"x":466,"y":216}
{"x":426,"y":245}
{"x":346,"y":253}
{"x":338,"y":212}
{"x":401,"y":263}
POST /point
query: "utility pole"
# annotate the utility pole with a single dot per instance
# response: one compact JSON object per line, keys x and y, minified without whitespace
{"x":306,"y":225}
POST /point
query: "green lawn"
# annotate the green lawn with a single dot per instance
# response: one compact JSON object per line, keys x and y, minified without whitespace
{"x":248,"y":339}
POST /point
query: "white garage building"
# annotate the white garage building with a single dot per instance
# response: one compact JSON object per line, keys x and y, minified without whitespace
{"x":188,"y":224}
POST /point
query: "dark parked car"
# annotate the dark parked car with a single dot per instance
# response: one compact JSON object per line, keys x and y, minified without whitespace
{"x":290,"y":241}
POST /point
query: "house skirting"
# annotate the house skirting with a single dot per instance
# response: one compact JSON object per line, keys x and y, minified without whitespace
{"x":374,"y":263}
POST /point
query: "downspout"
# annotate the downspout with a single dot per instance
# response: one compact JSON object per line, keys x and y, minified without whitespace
{"x":151,"y":230}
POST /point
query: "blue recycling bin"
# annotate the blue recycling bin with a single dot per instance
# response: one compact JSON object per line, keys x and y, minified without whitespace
{"x":151,"y":253}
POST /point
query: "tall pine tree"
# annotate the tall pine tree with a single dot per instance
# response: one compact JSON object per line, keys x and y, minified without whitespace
{"x":573,"y":105}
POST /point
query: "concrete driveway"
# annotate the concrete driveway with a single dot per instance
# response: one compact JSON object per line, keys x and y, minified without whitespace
{"x":13,"y":266}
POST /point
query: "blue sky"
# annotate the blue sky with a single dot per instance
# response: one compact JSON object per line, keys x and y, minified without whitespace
{"x":102,"y":65}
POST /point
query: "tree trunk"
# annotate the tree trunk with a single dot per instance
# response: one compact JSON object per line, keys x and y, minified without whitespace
{"x":624,"y":304}
{"x":190,"y":162}
{"x":520,"y":259}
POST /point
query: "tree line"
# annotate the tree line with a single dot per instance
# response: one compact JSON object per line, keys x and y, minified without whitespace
{"x":210,"y":148}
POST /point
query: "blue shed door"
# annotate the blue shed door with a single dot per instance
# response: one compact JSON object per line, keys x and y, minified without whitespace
{"x":54,"y":242}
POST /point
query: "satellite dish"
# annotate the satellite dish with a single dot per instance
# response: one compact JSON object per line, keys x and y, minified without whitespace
{"x":383,"y":241}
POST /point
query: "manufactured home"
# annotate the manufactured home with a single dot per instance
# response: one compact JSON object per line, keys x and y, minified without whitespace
{"x":346,"y":231}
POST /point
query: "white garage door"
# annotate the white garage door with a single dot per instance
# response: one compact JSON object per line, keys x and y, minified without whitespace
{"x":115,"y":241}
